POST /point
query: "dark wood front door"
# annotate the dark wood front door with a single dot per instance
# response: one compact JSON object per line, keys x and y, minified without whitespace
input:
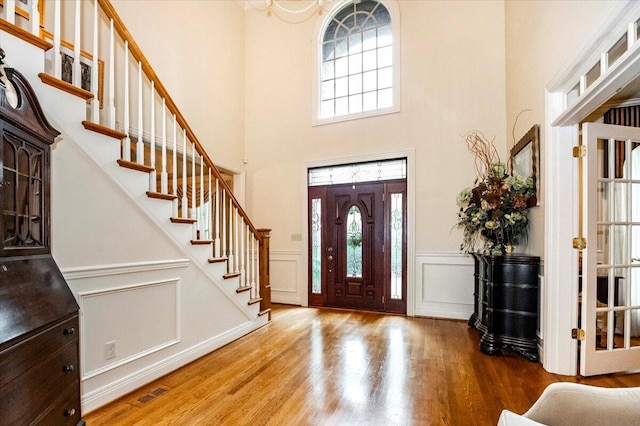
{"x":354,"y":241}
{"x":352,"y":262}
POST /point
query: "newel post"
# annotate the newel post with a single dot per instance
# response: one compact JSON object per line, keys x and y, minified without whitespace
{"x":265,"y":285}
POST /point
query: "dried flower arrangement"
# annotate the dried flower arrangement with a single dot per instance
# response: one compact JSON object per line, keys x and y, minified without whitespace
{"x":494,"y":212}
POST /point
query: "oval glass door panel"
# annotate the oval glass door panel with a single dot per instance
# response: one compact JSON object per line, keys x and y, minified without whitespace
{"x":354,"y":242}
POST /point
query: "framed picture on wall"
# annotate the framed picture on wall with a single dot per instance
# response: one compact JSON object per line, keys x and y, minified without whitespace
{"x":525,"y":158}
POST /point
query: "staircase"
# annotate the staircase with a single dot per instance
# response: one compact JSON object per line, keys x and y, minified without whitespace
{"x":141,"y":142}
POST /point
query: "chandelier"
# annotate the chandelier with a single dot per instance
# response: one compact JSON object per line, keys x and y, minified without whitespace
{"x":291,"y":11}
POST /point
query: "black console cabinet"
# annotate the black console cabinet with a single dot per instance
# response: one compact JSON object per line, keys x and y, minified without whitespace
{"x":506,"y":303}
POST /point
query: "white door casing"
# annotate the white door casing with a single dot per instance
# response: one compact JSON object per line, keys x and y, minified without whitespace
{"x":561,"y":172}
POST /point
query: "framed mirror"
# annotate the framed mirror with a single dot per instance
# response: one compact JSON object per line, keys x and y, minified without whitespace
{"x":525,"y":158}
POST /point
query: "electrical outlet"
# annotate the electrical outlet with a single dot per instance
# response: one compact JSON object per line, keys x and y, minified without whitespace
{"x":110,"y":350}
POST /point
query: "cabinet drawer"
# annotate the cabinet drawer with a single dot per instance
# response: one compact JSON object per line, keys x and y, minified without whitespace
{"x":64,"y":411}
{"x":32,"y":393}
{"x":521,"y":298}
{"x":24,"y":356}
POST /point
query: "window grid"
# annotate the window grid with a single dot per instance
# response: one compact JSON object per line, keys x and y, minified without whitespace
{"x":357,"y":61}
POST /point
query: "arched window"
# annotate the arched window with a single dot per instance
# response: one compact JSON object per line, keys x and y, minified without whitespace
{"x":358,"y":62}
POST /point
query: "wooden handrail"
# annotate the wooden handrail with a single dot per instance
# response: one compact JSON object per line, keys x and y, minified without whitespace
{"x":24,"y":35}
{"x":135,"y":50}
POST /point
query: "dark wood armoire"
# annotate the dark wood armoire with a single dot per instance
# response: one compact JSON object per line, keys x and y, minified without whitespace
{"x":39,"y":371}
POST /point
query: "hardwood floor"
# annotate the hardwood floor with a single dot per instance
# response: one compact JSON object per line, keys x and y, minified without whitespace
{"x":329,"y":367}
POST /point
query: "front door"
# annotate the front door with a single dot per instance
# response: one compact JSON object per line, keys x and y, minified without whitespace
{"x":610,"y":273}
{"x":358,"y":246}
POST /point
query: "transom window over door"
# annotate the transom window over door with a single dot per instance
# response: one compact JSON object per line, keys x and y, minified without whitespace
{"x":358,"y":63}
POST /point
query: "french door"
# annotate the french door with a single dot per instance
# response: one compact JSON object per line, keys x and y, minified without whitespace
{"x":610,"y":271}
{"x":357,"y":246}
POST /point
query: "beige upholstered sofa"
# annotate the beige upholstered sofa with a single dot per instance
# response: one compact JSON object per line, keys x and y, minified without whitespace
{"x":569,"y":404}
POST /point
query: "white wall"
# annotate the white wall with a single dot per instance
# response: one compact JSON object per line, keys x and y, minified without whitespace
{"x":453,"y":74}
{"x":541,"y":36}
{"x":133,"y":282}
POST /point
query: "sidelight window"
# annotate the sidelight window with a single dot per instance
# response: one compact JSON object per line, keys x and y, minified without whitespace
{"x":397,"y":245}
{"x":316,"y":250}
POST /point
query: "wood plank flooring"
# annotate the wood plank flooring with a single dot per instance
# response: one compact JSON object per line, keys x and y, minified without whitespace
{"x":328,"y":367}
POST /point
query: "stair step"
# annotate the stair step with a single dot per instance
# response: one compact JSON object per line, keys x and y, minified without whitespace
{"x":135,"y":166}
{"x":161,"y":196}
{"x":183,"y":220}
{"x":264,"y":312}
{"x":103,"y":130}
{"x":218,"y":260}
{"x":231,"y":275}
{"x":201,"y":242}
{"x":243,"y":289}
{"x":65,"y":87}
{"x":255,"y":300}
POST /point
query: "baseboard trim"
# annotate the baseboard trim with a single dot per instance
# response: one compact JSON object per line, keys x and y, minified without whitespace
{"x":101,"y":396}
{"x":444,"y":310}
{"x":285,"y":297}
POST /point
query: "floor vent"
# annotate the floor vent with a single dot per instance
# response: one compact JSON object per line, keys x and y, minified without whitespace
{"x":148,"y":397}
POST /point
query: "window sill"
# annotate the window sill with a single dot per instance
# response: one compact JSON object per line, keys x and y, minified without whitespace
{"x":322,"y":121}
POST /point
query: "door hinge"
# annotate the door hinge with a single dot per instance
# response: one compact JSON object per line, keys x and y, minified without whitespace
{"x":580,"y":243}
{"x":577,"y":334}
{"x":579,"y":151}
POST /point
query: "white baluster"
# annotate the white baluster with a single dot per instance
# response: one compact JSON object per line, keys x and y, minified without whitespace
{"x":127,"y":141}
{"x":77,"y":69}
{"x":248,"y":255}
{"x":231,"y":256}
{"x":57,"y":55}
{"x":257,"y":268}
{"x":193,"y":189}
{"x":185,"y":205}
{"x":95,"y":102}
{"x":9,"y":12}
{"x":236,"y":260}
{"x":201,"y":227}
{"x":140,"y":144}
{"x":201,"y":222}
{"x":111,"y":111}
{"x":164,"y":178}
{"x":223,"y":227}
{"x":253,"y":266}
{"x":153,"y":185}
{"x":34,"y":18}
{"x":210,"y":209}
{"x":243,"y":254}
{"x":174,"y":168}
{"x":217,"y":220}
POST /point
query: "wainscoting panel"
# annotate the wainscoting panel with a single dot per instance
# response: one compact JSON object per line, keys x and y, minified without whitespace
{"x":286,"y":277}
{"x":444,"y":285}
{"x":108,"y":315}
